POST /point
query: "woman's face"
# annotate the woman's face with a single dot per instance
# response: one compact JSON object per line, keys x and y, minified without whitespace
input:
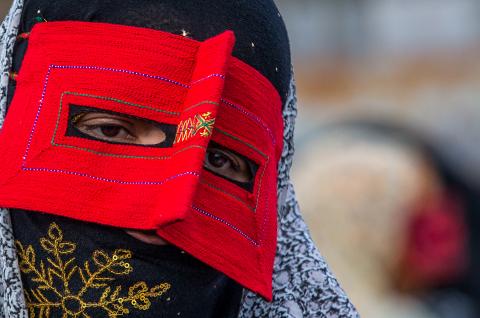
{"x":125,"y":129}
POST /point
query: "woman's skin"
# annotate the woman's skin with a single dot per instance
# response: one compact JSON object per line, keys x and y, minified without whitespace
{"x":130,"y":130}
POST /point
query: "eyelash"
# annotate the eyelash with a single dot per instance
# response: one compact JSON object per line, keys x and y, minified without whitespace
{"x":233,"y":163}
{"x":92,"y":127}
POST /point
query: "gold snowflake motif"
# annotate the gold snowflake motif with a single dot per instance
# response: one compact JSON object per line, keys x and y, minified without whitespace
{"x":199,"y":124}
{"x":96,"y":274}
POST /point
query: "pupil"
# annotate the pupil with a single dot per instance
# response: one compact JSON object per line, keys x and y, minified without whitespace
{"x":110,"y":131}
{"x":217,"y":160}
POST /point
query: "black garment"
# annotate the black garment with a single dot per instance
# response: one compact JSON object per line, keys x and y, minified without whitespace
{"x":195,"y":290}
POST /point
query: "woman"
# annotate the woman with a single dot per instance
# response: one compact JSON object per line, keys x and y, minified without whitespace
{"x":302,"y":283}
{"x":428,"y":264}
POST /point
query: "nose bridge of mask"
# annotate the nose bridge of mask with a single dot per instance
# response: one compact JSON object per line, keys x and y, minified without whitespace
{"x":231,"y":228}
{"x":171,"y":80}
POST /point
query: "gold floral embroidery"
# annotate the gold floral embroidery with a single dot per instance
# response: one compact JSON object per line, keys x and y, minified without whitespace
{"x":199,"y":124}
{"x":60,"y":268}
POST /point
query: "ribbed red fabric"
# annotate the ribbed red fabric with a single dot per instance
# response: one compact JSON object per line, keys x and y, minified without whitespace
{"x":165,"y":78}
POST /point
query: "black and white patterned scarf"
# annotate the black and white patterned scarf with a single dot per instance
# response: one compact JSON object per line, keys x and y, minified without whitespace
{"x":302,"y":282}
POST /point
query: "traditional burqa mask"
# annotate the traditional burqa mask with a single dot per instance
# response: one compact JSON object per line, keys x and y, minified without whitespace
{"x":265,"y":50}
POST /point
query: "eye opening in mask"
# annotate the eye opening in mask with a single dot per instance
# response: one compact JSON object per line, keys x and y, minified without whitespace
{"x":230,"y":165}
{"x":118,"y":128}
{"x":124,"y":129}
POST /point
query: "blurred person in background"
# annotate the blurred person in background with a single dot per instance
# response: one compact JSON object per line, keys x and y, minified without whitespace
{"x":409,"y":242}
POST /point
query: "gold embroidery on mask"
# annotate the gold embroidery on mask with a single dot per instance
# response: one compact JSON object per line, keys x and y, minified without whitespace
{"x":54,"y":275}
{"x":201,"y":124}
{"x":204,"y":124}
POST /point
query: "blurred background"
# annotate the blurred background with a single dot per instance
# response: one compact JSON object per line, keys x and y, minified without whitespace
{"x":387,"y":168}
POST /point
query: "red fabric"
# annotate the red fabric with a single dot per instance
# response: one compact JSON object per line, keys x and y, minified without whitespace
{"x":161,"y":77}
{"x":437,"y":242}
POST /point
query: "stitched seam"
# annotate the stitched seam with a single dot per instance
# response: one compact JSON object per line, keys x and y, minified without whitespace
{"x":188,"y":173}
{"x":200,"y":104}
{"x":262,"y":230}
{"x":128,"y":156}
{"x":260,"y":183}
{"x":106,"y":98}
{"x":236,"y":229}
{"x":252,"y":116}
{"x":35,"y":122}
{"x":207,"y":77}
{"x":115,"y":70}
{"x":59,"y":115}
{"x":223,"y":132}
{"x":229,"y":194}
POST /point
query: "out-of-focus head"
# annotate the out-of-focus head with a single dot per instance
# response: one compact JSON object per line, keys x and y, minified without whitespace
{"x":402,"y":224}
{"x":365,"y":184}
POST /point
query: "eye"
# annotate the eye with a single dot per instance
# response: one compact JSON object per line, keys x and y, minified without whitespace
{"x":105,"y":127}
{"x":109,"y":131}
{"x":218,"y":160}
{"x":228,"y":164}
{"x":118,"y":129}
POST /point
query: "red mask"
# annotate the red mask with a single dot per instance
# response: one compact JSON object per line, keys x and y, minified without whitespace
{"x":196,"y":92}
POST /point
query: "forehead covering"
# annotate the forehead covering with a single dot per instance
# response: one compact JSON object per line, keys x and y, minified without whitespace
{"x":262,"y":40}
{"x":172,"y":80}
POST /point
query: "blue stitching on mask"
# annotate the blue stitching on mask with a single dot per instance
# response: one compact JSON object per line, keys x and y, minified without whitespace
{"x":114,"y":70}
{"x":236,"y":229}
{"x":207,"y":77}
{"x":188,"y":173}
{"x":251,"y":116}
{"x":44,"y":91}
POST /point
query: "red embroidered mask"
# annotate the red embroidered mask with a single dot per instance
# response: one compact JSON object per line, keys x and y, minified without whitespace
{"x":195,"y":93}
